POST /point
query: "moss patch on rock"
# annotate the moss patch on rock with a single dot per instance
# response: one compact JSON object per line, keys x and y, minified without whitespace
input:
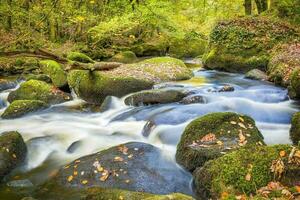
{"x":243,"y":44}
{"x":79,"y":57}
{"x":295,"y":129}
{"x":95,"y":86}
{"x":55,"y":72}
{"x":214,"y":135}
{"x":12,"y":152}
{"x":158,"y":96}
{"x":20,"y":108}
{"x":124,"y":57}
{"x":38,"y":90}
{"x":245,"y":171}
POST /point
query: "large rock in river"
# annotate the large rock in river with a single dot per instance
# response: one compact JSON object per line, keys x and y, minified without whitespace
{"x":132,"y":166}
{"x":214,"y":135}
{"x":243,"y":44}
{"x":55,"y":71}
{"x":157,"y":96}
{"x":39,"y":90}
{"x":20,"y":108}
{"x":295,"y":128}
{"x":247,"y":170}
{"x":97,"y":193}
{"x":12,"y":152}
{"x":94,"y":86}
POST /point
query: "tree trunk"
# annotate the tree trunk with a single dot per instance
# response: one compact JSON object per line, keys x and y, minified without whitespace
{"x":248,"y":7}
{"x":262,"y":5}
{"x":9,"y":17}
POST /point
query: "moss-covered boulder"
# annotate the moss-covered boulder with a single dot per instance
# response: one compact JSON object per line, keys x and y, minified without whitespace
{"x":295,"y":129}
{"x":243,"y":44}
{"x":214,"y":135}
{"x":132,"y":166}
{"x":55,"y":71}
{"x":12,"y":152}
{"x":97,"y":193}
{"x":94,"y":86}
{"x":157,"y":96}
{"x":124,"y":57}
{"x":247,"y":170}
{"x":20,"y":108}
{"x":38,"y":90}
{"x":79,"y":57}
{"x":256,"y":74}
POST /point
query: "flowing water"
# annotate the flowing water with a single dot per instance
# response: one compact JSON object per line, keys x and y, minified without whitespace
{"x":64,"y":132}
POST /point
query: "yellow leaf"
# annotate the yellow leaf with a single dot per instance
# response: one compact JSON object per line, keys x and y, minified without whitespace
{"x":248,"y":177}
{"x":84,"y":182}
{"x":70,"y":178}
{"x":282,"y":153}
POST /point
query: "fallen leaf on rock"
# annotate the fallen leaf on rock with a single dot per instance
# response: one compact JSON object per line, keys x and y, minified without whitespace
{"x":104,"y":176}
{"x":208,"y":138}
{"x":242,"y":125}
{"x":241,"y":119}
{"x":248,"y":177}
{"x":84,"y":182}
{"x":123,"y":149}
{"x":219,"y":142}
{"x":282,"y":153}
{"x":75,"y":173}
{"x":127,"y":181}
{"x":14,"y":156}
{"x":233,"y":122}
{"x":70,"y":178}
{"x":294,"y":157}
{"x":277,"y":168}
{"x":242,"y":139}
{"x":118,"y":159}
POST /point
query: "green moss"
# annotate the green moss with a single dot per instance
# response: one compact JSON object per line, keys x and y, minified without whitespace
{"x":20,"y":108}
{"x":219,"y":124}
{"x":125,"y":57}
{"x":227,"y":173}
{"x":243,"y":44}
{"x":95,"y":86}
{"x":55,"y":72}
{"x":295,"y":82}
{"x":295,"y":129}
{"x":79,"y":57}
{"x":38,"y":90}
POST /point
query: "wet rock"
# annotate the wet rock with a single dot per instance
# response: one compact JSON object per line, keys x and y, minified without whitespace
{"x":55,"y":71}
{"x":97,"y":193}
{"x":95,"y":86}
{"x":79,"y":57}
{"x":124,"y":57}
{"x":226,"y":88}
{"x":295,"y":129}
{"x":132,"y":166}
{"x":39,"y":90}
{"x":20,"y":108}
{"x":154,"y":97}
{"x":256,"y":74}
{"x":214,"y":135}
{"x":13,"y":152}
{"x":246,"y":170}
{"x":106,"y":104}
{"x":20,"y":183}
{"x":148,"y":128}
{"x":6,"y":84}
{"x":74,"y":146}
{"x":193,"y":99}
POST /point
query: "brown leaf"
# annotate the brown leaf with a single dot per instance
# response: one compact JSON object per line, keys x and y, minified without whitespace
{"x":118,"y":159}
{"x":104,"y":176}
{"x":277,"y":168}
{"x":208,"y":138}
